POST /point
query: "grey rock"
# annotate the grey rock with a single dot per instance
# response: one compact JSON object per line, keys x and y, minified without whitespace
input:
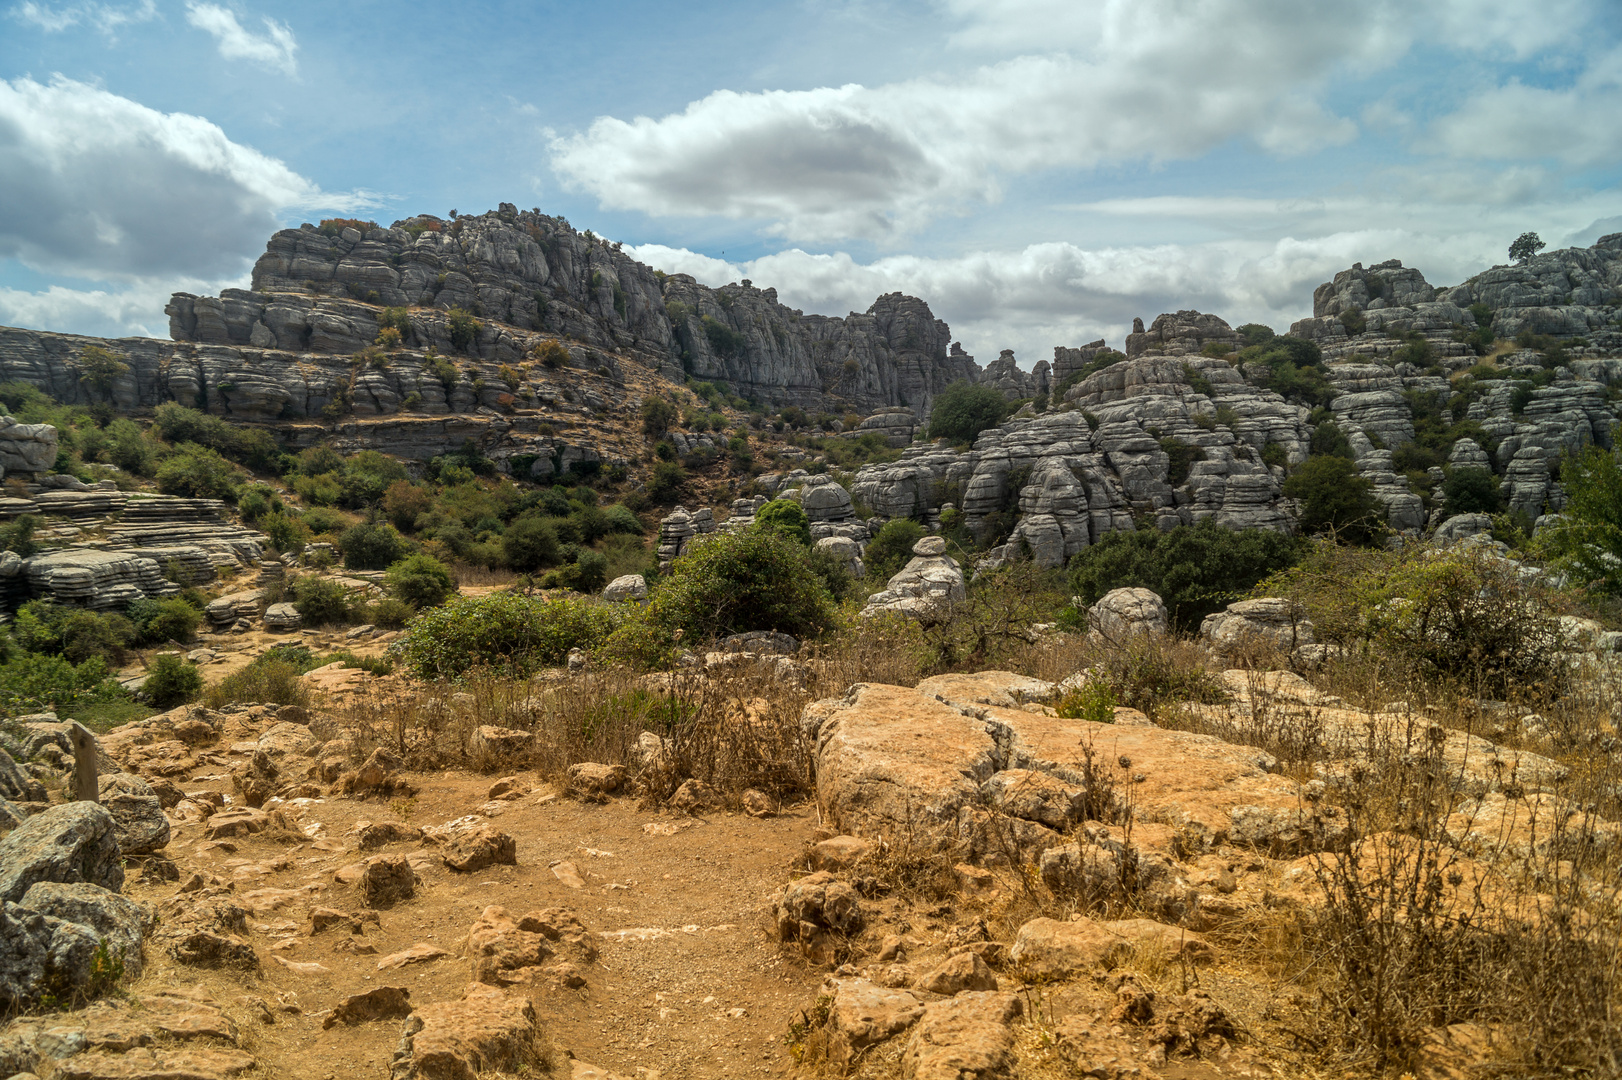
{"x":628,"y":588}
{"x":823,"y":499}
{"x":114,"y":919}
{"x":67,"y":844}
{"x":1122,"y":613}
{"x":26,"y":448}
{"x":846,"y":550}
{"x":760,"y":641}
{"x":140,"y":825}
{"x":40,"y":954}
{"x":1462,"y":527}
{"x":282,"y":616}
{"x":17,"y":785}
{"x":1272,"y":620}
{"x":924,"y":589}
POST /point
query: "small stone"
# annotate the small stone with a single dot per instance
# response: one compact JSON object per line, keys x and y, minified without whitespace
{"x":381,"y":1003}
{"x":387,"y":880}
{"x":965,"y":971}
{"x":758,"y":804}
{"x":420,"y":953}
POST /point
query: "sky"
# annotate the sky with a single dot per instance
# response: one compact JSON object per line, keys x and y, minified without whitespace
{"x":1039,"y":171}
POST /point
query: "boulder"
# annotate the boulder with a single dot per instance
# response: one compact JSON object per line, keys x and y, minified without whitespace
{"x":26,"y":448}
{"x":1050,"y":949}
{"x":864,"y":1014}
{"x":283,"y":617}
{"x":593,"y":781}
{"x":67,"y":844}
{"x":964,"y":972}
{"x":119,"y":922}
{"x":480,"y":847}
{"x":926,"y":588}
{"x":847,"y":551}
{"x":388,"y":879}
{"x":486,"y":1031}
{"x":817,"y":902}
{"x":762,"y":642}
{"x":824,"y":499}
{"x":1122,"y":613}
{"x":1269,"y":620}
{"x":137,"y":812}
{"x":1462,"y":527}
{"x":967,"y":1037}
{"x":628,"y":588}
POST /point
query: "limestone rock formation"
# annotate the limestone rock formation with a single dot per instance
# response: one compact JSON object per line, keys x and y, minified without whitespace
{"x":1004,"y":375}
{"x":1121,"y":613}
{"x":925,"y":588}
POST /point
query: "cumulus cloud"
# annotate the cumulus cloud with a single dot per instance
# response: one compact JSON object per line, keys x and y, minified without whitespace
{"x":131,"y":311}
{"x":107,"y":18}
{"x":99,"y":186}
{"x":275,"y":48}
{"x":1580,"y":124}
{"x":1061,"y":85}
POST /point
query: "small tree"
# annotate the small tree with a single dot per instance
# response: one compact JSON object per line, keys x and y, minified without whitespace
{"x":1335,"y":499}
{"x":657,"y":416}
{"x":1472,"y":491}
{"x":420,"y":580}
{"x":1586,"y":540}
{"x":786,"y":518}
{"x":1525,"y":246}
{"x":371,"y":547}
{"x":99,"y":368}
{"x":733,"y":582}
{"x":171,"y":681}
{"x":464,"y":328}
{"x":963,"y":410}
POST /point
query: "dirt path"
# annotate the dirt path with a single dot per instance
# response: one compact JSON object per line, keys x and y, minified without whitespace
{"x":688,"y":983}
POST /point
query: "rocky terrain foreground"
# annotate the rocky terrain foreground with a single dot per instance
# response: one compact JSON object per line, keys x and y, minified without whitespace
{"x":979,"y":889}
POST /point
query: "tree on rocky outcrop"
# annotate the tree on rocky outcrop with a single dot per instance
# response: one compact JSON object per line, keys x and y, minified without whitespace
{"x":786,"y":518}
{"x":1526,"y":245}
{"x":658,"y":414}
{"x":1196,"y":569}
{"x":1586,"y":540}
{"x":99,"y":368}
{"x":963,"y":410}
{"x":1335,"y":499}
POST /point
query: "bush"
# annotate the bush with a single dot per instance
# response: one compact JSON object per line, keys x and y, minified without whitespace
{"x":463,"y":328}
{"x":505,"y":631}
{"x":286,"y":533}
{"x":891,"y":549}
{"x":552,"y":354}
{"x":321,"y":601}
{"x":658,"y":414}
{"x":1586,"y":541}
{"x":169,"y":619}
{"x":731,"y":583}
{"x":421,"y":581}
{"x":86,"y":634}
{"x":19,"y":536}
{"x":963,"y":410}
{"x":621,"y":519}
{"x":36,"y":683}
{"x":390,"y":613}
{"x":786,"y":518}
{"x":372,"y":547}
{"x":1197,"y":570}
{"x":197,"y":472}
{"x":269,"y":680}
{"x":1334,"y":499}
{"x":171,"y":681}
{"x":1472,"y":491}
{"x":404,"y":503}
{"x":529,"y":544}
{"x":666,"y":481}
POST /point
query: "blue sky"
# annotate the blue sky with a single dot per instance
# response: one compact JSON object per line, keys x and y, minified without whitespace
{"x":1040,"y":171}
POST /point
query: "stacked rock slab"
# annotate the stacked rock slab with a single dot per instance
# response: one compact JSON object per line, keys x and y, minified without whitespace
{"x":678,"y":529}
{"x":26,"y":448}
{"x":924,"y":589}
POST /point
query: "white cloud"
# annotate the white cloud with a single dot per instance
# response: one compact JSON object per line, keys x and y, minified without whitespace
{"x":104,"y":17}
{"x":1062,"y":84}
{"x":1580,"y":124}
{"x":99,"y":186}
{"x":276,"y":48}
{"x":133,"y":311}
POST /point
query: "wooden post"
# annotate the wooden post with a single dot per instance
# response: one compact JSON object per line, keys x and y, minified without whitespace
{"x":86,"y":782}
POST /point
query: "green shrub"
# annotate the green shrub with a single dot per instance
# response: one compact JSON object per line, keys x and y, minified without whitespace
{"x":731,"y":583}
{"x":324,"y":522}
{"x":321,"y":601}
{"x":1093,"y":701}
{"x":786,"y":518}
{"x":171,"y":681}
{"x":169,"y":619}
{"x":658,"y":414}
{"x":421,"y":581}
{"x":891,"y":549}
{"x":529,"y":544}
{"x":86,"y":634}
{"x":197,"y":472}
{"x":36,"y":683}
{"x":18,"y":536}
{"x":1197,"y":570}
{"x":621,"y":519}
{"x":1586,"y":541}
{"x":463,"y":328}
{"x":1472,"y":491}
{"x":1335,"y":499}
{"x":269,"y":680}
{"x":508,"y":632}
{"x":371,"y":546}
{"x":286,"y":533}
{"x":963,"y":410}
{"x":666,"y":481}
{"x":1180,"y":458}
{"x":390,"y":613}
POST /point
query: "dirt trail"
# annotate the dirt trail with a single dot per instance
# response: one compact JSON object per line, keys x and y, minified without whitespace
{"x":688,"y":984}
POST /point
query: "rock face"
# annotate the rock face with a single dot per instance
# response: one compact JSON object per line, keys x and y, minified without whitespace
{"x":67,"y":844}
{"x":26,"y":448}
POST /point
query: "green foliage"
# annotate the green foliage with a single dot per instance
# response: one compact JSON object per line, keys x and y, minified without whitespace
{"x":1526,"y":245}
{"x":462,"y":327}
{"x":321,"y":601}
{"x":787,"y":518}
{"x":404,"y":502}
{"x":658,"y":414}
{"x":1329,"y":440}
{"x":421,"y":581}
{"x":1354,"y":320}
{"x":724,"y":340}
{"x":665,"y":481}
{"x":18,"y":536}
{"x":272,"y":679}
{"x":1091,"y":701}
{"x":37,"y":683}
{"x":1098,"y":363}
{"x":730,"y":583}
{"x":287,"y":533}
{"x":160,"y":621}
{"x":507,"y":632}
{"x":171,"y":681}
{"x":1254,"y":334}
{"x":252,"y":447}
{"x":1586,"y":539}
{"x":1334,"y":499}
{"x":620,"y":519}
{"x":372,"y":546}
{"x":1472,"y":491}
{"x":442,"y":369}
{"x":551,"y":354}
{"x":1197,"y":570}
{"x":100,"y":368}
{"x":891,"y":549}
{"x":124,"y":444}
{"x":197,"y":472}
{"x":1181,"y":456}
{"x":1196,"y":381}
{"x":86,"y":634}
{"x":963,"y":410}
{"x":529,"y":544}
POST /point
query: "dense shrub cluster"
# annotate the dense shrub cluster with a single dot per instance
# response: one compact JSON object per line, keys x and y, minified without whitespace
{"x":963,"y":410}
{"x":505,"y":631}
